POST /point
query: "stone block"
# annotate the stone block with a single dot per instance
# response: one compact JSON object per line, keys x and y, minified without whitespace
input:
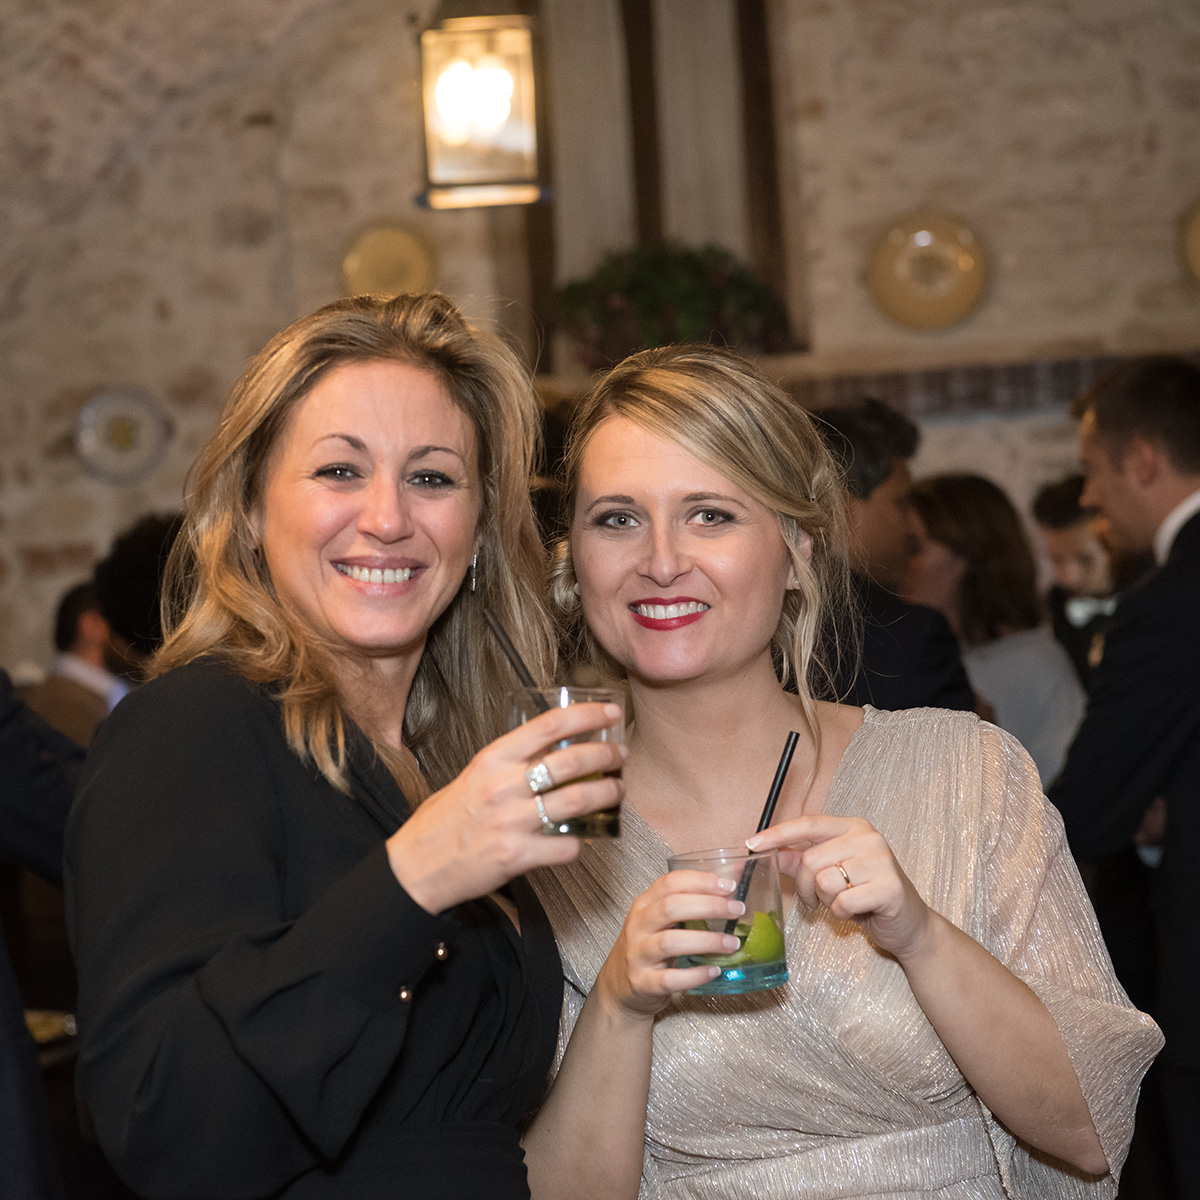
{"x":243,"y":225}
{"x":1169,"y":296}
{"x":1183,"y":92}
{"x":197,"y":386}
{"x":56,"y":558}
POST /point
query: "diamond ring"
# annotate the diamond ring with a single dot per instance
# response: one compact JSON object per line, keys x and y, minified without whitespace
{"x":539,"y":778}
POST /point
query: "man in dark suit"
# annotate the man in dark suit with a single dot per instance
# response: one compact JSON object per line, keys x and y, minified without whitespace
{"x":910,"y":658}
{"x":38,"y":768}
{"x":1137,"y":753}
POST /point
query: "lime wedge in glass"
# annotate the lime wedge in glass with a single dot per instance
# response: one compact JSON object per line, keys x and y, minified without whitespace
{"x":764,"y":942}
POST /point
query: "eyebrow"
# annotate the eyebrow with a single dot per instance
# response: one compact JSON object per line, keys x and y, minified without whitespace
{"x":693,"y":497}
{"x":356,"y":443}
{"x":421,"y":451}
{"x":611,"y":499}
{"x":690,"y":498}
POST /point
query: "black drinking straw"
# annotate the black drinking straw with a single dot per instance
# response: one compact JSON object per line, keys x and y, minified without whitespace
{"x":785,"y":761}
{"x":518,"y":663}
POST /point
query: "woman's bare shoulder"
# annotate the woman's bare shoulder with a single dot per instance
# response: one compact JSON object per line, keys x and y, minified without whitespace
{"x":839,"y":723}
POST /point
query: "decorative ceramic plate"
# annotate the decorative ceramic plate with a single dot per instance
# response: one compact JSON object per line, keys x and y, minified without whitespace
{"x":928,"y":271}
{"x":1189,"y":240}
{"x":121,"y":434}
{"x":387,"y":260}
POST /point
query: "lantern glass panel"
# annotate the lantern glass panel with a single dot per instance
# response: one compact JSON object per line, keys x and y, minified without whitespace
{"x":480,"y":126}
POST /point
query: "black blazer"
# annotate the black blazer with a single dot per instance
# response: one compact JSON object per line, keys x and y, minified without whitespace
{"x":37,"y":774}
{"x":262,"y":1008}
{"x":910,"y":656}
{"x":1140,"y":739}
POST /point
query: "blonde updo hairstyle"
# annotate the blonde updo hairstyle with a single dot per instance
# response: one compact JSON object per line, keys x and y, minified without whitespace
{"x":727,"y":414}
{"x":218,"y":595}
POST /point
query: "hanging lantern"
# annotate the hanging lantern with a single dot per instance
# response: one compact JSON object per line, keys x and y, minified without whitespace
{"x":481,"y":127}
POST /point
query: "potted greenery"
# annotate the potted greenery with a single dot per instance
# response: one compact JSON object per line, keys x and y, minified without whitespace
{"x":661,"y":293}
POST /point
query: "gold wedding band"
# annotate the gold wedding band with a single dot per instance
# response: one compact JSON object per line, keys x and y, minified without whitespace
{"x":842,"y":872}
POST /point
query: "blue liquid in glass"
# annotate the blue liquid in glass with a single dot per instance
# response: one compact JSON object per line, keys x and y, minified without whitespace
{"x":733,"y":980}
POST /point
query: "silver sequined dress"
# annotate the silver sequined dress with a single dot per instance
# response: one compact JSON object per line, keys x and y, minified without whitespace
{"x":836,"y":1085}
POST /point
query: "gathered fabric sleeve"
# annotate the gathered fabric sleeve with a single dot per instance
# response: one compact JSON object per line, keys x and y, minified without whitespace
{"x":1032,"y":913}
{"x":238,"y":1008}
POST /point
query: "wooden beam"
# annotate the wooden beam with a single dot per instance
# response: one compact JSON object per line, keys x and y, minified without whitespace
{"x":637,"y":17}
{"x":763,"y":211}
{"x":540,"y":242}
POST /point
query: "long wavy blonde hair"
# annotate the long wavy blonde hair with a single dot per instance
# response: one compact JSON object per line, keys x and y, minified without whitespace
{"x":727,"y":414}
{"x":218,"y":596}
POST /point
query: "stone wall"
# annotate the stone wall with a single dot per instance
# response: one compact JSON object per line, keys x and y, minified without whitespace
{"x":1066,"y":133}
{"x":178,"y":180}
{"x":190,"y":185}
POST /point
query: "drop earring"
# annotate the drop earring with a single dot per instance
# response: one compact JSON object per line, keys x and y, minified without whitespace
{"x":474,"y":564}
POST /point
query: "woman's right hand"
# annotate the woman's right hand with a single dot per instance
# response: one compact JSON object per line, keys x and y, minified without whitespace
{"x":637,"y":977}
{"x":483,"y":828}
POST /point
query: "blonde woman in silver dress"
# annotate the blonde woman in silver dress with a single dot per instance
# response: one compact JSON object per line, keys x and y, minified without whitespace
{"x":952,"y":1027}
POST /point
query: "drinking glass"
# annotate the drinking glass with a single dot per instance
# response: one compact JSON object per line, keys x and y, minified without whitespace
{"x":526,"y":703}
{"x":759,"y":961}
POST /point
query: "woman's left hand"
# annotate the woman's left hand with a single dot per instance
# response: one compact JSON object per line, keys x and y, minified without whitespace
{"x":847,"y":864}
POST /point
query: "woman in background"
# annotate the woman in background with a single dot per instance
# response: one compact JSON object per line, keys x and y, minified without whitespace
{"x":952,"y":1027}
{"x":977,"y":568}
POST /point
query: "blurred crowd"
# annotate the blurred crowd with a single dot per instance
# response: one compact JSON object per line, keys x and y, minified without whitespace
{"x":1068,"y":626}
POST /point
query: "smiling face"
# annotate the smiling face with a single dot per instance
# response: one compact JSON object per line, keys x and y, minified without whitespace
{"x":681,"y":574}
{"x":369,"y":510}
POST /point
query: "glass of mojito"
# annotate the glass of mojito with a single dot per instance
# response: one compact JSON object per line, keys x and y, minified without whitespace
{"x":760,"y":961}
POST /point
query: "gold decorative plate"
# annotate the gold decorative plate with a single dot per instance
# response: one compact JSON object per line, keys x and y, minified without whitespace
{"x":928,"y":271}
{"x":1189,"y":240}
{"x":386,"y":260}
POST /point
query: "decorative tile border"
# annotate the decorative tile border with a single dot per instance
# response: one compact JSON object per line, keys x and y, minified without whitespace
{"x":1008,"y":387}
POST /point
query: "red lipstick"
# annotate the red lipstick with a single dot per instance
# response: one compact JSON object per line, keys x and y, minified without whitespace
{"x":656,"y":604}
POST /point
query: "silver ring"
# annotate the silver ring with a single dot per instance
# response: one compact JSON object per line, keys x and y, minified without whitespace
{"x":548,"y":826}
{"x":844,"y":875}
{"x":539,"y":778}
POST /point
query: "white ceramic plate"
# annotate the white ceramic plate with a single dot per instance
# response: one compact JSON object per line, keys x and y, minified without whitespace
{"x":121,"y":434}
